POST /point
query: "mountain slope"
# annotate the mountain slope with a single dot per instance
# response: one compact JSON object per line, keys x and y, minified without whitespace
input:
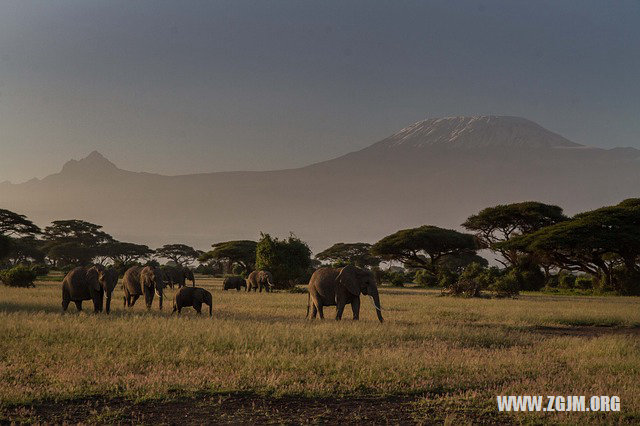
{"x":437,"y":171}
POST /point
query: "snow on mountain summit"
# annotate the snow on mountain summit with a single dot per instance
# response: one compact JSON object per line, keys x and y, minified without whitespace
{"x":477,"y":132}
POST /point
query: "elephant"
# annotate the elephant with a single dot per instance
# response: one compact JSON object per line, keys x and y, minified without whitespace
{"x":260,"y":280}
{"x":90,"y":283}
{"x":192,"y":296}
{"x":178,"y":275}
{"x":139,"y":280}
{"x":339,"y":287}
{"x":234,"y":282}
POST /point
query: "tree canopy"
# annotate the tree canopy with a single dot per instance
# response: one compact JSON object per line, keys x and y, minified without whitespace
{"x":14,"y":224}
{"x":181,"y":254}
{"x":240,"y":252}
{"x":500,"y":223}
{"x":125,"y":253}
{"x":593,"y":242}
{"x":424,"y":246}
{"x":288,"y":260}
{"x":357,"y":254}
{"x":77,"y":231}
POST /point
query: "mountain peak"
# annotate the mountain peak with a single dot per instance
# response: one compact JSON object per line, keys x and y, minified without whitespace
{"x":92,"y":163}
{"x":484,"y":131}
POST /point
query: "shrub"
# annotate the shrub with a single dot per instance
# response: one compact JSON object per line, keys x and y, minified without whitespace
{"x":40,"y":269}
{"x":584,"y":282}
{"x":425,"y":279}
{"x":566,"y":280}
{"x":529,"y":277}
{"x":507,"y":285}
{"x":397,"y":279}
{"x":446,"y":278}
{"x":20,"y":276}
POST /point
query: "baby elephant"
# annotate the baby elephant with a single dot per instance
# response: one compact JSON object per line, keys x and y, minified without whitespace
{"x":192,"y":296}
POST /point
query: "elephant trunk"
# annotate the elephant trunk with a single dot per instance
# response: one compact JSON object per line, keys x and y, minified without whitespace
{"x":108,"y":303}
{"x":376,"y":303}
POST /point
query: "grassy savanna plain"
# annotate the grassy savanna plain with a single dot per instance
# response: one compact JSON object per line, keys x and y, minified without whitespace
{"x":258,"y":360}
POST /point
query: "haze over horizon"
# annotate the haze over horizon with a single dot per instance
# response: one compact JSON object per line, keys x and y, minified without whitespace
{"x":237,"y":85}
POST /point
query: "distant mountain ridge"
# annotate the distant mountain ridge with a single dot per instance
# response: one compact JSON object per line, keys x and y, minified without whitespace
{"x":437,"y":171}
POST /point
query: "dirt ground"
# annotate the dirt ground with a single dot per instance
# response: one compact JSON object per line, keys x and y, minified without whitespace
{"x":223,"y":409}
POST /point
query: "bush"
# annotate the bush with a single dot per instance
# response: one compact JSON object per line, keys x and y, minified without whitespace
{"x":507,"y":285}
{"x":474,"y":279}
{"x":425,"y":279}
{"x":626,"y":282}
{"x":397,"y":279}
{"x":584,"y":282}
{"x":40,"y":269}
{"x":446,"y":278}
{"x":20,"y":276}
{"x":566,"y":280}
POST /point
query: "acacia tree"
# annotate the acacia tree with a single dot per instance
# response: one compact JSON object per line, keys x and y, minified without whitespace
{"x":497,"y":224}
{"x":14,"y":224}
{"x":288,"y":260}
{"x":356,"y":254}
{"x":122,"y":253}
{"x":181,"y":254}
{"x":26,"y":249}
{"x":593,"y":242}
{"x":74,"y":242}
{"x":239,"y":252}
{"x":424,"y":247}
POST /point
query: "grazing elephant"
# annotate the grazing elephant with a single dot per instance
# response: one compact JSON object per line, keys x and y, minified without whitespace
{"x":91,"y":283}
{"x":234,"y":282}
{"x":192,"y":296}
{"x":139,"y":280}
{"x":339,"y":287}
{"x":178,"y":275}
{"x":260,"y":280}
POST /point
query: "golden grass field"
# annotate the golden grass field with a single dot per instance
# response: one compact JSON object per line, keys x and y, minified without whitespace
{"x":442,"y":358}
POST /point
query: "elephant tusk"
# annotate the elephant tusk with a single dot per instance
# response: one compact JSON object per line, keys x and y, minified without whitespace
{"x":374,"y":305}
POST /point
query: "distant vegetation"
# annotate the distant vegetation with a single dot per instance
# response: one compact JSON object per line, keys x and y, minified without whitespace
{"x":537,"y":246}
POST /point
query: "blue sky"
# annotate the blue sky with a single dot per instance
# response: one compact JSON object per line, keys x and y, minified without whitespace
{"x":197,"y":86}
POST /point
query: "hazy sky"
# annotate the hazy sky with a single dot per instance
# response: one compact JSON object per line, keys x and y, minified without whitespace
{"x":188,"y":86}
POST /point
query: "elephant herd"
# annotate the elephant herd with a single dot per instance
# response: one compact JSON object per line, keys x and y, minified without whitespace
{"x":327,"y":287}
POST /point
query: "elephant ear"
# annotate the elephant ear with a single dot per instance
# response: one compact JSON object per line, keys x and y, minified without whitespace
{"x":92,"y":279}
{"x":348,"y":279}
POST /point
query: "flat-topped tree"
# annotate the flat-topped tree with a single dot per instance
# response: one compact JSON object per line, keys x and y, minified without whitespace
{"x":500,"y":223}
{"x":181,"y":254}
{"x":425,"y":246}
{"x":594,"y":242}
{"x":77,"y":231}
{"x":356,"y":254}
{"x":238,"y":252}
{"x":14,"y":224}
{"x":125,"y":253}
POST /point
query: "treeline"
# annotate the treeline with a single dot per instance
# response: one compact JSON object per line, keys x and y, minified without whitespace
{"x":536,"y":245}
{"x":27,"y":251}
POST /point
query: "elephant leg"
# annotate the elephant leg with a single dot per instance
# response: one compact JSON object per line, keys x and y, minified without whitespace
{"x":133,"y":300}
{"x":314,"y":311}
{"x":339,"y":311}
{"x":320,"y":310}
{"x":78,"y":304}
{"x":355,"y":308}
{"x":65,"y":305}
{"x":198,"y":307}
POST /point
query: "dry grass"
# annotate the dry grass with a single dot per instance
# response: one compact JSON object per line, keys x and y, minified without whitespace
{"x":453,"y":355}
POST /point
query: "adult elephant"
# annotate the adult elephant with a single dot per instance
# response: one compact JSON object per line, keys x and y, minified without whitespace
{"x":178,"y":275}
{"x":259,"y":280}
{"x":192,"y":296}
{"x":234,"y":282}
{"x":340,"y":287}
{"x":139,"y":280}
{"x":91,"y":283}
